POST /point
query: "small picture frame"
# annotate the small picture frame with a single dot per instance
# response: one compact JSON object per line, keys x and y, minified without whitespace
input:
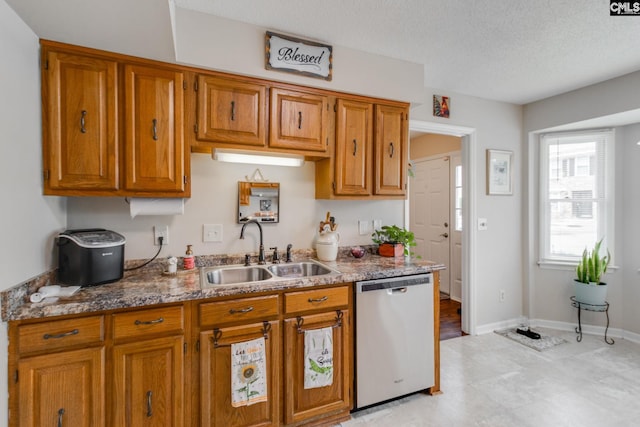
{"x":499,"y":176}
{"x":441,"y":105}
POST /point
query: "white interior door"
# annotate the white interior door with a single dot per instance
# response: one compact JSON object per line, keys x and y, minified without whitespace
{"x":429,"y":195}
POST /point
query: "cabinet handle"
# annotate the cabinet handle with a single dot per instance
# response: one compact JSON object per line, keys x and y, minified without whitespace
{"x":299,"y":119}
{"x":355,"y":146}
{"x":149,"y":408}
{"x":323,"y":299}
{"x":244,"y":310}
{"x":82,"y":128}
{"x":155,"y":129}
{"x":233,"y":110}
{"x":391,"y":149}
{"x":62,"y":335}
{"x":60,"y":414}
{"x":149,"y":322}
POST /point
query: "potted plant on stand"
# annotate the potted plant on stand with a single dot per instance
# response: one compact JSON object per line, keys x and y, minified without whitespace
{"x":587,"y":285}
{"x":393,"y":241}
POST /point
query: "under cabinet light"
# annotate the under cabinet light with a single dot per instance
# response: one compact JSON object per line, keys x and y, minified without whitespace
{"x":256,"y":157}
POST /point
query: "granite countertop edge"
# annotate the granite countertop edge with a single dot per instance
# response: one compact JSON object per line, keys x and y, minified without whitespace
{"x":151,"y":287}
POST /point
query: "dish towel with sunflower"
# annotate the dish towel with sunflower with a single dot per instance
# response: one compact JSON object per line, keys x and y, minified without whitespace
{"x":318,"y":357}
{"x":248,"y":373}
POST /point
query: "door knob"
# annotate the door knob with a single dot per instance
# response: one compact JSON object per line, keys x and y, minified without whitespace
{"x":445,"y":235}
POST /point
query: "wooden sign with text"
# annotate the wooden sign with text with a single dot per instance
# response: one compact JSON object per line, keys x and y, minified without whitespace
{"x":284,"y":53}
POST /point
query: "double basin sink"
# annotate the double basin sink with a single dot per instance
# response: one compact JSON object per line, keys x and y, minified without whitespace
{"x":236,"y":274}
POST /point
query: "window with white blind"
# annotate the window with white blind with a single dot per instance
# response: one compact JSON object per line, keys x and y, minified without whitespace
{"x":576,"y":193}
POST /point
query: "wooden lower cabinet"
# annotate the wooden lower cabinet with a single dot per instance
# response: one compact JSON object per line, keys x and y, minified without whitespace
{"x":171,"y":365}
{"x":216,"y":408}
{"x":64,"y":389}
{"x":306,"y":404}
{"x":149,"y":383}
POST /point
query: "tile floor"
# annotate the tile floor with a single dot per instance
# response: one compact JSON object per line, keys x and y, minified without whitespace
{"x":490,"y":380}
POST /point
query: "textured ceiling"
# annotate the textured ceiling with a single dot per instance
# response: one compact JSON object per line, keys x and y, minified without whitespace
{"x":516,"y":51}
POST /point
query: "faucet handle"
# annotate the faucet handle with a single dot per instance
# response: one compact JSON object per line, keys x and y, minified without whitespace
{"x":276,"y":255}
{"x":288,"y":259}
{"x":247,"y":260}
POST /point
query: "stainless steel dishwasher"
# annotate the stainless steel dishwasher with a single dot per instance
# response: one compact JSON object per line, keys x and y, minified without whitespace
{"x":394,"y":338}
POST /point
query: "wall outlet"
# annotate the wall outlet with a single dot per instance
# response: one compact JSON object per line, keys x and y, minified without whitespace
{"x":212,"y":232}
{"x":160,"y":231}
{"x":364,"y":227}
{"x":502,"y":295}
{"x":377,"y":224}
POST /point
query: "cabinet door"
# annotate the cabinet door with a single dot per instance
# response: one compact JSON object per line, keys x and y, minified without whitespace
{"x":231,"y":111}
{"x":64,"y":389}
{"x":300,"y":403}
{"x":298,"y":120}
{"x":154,"y":144}
{"x":149,"y":383}
{"x":390,"y":150}
{"x":215,"y":381}
{"x":354,"y":124}
{"x":80,"y":143}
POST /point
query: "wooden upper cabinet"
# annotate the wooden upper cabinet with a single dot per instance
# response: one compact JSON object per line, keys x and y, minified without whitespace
{"x":390,"y":150}
{"x":231,"y":111}
{"x":80,"y":138}
{"x":299,"y":120}
{"x":353,"y":161}
{"x":155,"y":157}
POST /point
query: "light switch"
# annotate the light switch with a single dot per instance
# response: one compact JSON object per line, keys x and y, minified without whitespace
{"x":212,"y":232}
{"x":364,"y":227}
{"x":482,"y":224}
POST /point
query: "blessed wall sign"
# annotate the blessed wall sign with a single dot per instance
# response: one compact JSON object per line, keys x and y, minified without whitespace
{"x":293,"y":55}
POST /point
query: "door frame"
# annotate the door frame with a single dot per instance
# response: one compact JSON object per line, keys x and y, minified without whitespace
{"x":469,"y":212}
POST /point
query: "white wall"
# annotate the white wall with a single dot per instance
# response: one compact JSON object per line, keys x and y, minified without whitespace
{"x":29,"y":219}
{"x":498,"y":250}
{"x":213,"y":42}
{"x":214,"y":201}
{"x":604,"y":104}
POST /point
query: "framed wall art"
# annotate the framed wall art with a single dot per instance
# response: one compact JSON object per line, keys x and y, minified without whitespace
{"x":441,"y":106}
{"x":499,"y":176}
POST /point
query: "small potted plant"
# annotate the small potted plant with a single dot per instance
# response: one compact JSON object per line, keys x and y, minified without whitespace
{"x":393,"y":241}
{"x":587,"y":285}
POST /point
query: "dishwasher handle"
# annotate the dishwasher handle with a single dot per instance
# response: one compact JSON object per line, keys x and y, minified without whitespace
{"x":402,"y":290}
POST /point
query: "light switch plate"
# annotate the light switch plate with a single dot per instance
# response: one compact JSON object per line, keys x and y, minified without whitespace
{"x":364,"y":227}
{"x":212,"y":232}
{"x":377,"y":224}
{"x":482,"y":224}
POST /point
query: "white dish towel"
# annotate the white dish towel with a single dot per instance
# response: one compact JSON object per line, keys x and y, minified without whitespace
{"x":248,"y":373}
{"x":318,"y":357}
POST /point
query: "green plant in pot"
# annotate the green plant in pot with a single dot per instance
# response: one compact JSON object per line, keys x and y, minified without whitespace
{"x":588,"y":287}
{"x":394,"y":241}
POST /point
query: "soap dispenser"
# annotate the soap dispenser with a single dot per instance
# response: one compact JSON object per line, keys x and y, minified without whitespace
{"x":189,"y":261}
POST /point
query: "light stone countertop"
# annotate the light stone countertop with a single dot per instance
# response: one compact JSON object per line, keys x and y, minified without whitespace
{"x":148,"y":286}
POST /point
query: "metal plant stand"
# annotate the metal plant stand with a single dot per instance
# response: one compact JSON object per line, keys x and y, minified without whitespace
{"x":591,"y":307}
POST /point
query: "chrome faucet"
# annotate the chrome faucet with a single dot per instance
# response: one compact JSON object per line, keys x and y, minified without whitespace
{"x":261,"y":258}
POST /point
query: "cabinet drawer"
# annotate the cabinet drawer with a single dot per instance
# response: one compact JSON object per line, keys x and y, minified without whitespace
{"x":296,"y":302}
{"x":58,"y":334}
{"x":259,"y":308}
{"x":165,"y":320}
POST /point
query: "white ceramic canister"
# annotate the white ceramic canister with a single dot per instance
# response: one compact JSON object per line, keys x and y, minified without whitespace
{"x":327,"y":245}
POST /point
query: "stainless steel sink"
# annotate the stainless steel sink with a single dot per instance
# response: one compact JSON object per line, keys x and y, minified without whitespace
{"x":233,"y":275}
{"x":300,"y":269}
{"x":237,"y":274}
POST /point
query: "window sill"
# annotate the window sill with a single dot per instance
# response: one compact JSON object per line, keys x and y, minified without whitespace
{"x":565,"y":265}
